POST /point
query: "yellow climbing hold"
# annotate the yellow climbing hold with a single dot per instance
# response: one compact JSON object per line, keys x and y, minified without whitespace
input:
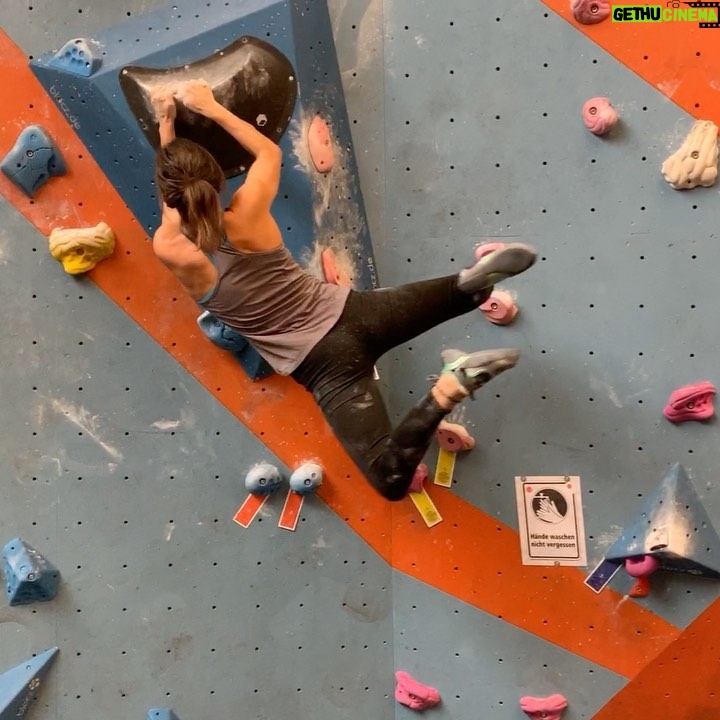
{"x":81,"y":249}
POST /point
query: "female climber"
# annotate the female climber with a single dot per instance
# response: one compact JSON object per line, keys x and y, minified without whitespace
{"x":234,"y":264}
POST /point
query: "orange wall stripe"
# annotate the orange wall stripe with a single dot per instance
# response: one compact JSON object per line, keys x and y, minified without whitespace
{"x":679,"y":59}
{"x":682,"y":682}
{"x":468,"y":556}
{"x":477,"y":559}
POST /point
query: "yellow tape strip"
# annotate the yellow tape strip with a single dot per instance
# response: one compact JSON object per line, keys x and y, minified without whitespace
{"x":426,"y":507}
{"x":445,"y":468}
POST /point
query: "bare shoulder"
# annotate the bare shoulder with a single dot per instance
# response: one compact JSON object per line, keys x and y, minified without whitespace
{"x":174,"y":249}
{"x":251,"y":232}
{"x":170,"y":226}
{"x":195,"y":271}
{"x":167,"y":243}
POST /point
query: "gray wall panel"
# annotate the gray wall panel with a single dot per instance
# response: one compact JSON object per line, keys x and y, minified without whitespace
{"x":617,"y":313}
{"x":125,"y":473}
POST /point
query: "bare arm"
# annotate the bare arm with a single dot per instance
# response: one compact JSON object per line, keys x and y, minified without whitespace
{"x":167,"y":132}
{"x":263,"y":178}
{"x":163,"y":102}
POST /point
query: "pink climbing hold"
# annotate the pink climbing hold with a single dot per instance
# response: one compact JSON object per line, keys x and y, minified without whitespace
{"x":486,"y":248}
{"x":414,"y":694}
{"x":691,"y":402}
{"x":453,"y":437}
{"x":419,"y":478}
{"x":320,"y":145}
{"x":332,"y":273}
{"x":500,"y":308}
{"x":590,"y":12}
{"x":549,"y":708}
{"x":642,"y":566}
{"x":599,"y":116}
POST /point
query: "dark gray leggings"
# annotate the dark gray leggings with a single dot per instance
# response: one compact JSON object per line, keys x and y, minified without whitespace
{"x":339,"y":373}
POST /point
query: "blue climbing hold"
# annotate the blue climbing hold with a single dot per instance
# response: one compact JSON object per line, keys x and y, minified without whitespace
{"x":221,"y":334}
{"x":33,"y":160}
{"x":263,"y":479}
{"x":253,"y":364}
{"x":21,"y":685}
{"x":29,"y":577}
{"x":78,"y":56}
{"x":306,"y":479}
{"x":161,"y":714}
{"x":228,"y":339}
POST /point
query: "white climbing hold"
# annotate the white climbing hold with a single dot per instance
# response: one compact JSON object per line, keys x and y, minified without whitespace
{"x":695,"y":163}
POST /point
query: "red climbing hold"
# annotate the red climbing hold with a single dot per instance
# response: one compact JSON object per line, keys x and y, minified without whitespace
{"x":640,"y":588}
{"x":414,"y":694}
{"x":691,"y":402}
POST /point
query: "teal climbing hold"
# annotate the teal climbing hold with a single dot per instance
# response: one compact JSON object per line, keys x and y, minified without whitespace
{"x":21,"y":685}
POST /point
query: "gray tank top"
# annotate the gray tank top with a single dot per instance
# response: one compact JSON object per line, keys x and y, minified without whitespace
{"x":281,"y":309}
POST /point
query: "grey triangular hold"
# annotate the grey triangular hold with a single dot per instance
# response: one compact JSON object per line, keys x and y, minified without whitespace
{"x":29,"y":576}
{"x":674,"y":527}
{"x":21,"y":685}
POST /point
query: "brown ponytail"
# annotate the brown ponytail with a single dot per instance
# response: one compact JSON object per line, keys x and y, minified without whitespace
{"x":203,"y":215}
{"x":189,"y":180}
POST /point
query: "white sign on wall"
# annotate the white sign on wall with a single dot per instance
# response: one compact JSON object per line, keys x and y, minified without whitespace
{"x":552,"y":530}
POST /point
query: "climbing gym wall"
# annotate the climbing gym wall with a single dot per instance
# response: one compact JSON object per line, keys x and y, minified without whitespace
{"x":127,"y":435}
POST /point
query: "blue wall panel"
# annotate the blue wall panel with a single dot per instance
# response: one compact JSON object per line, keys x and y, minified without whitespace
{"x":180,"y":35}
